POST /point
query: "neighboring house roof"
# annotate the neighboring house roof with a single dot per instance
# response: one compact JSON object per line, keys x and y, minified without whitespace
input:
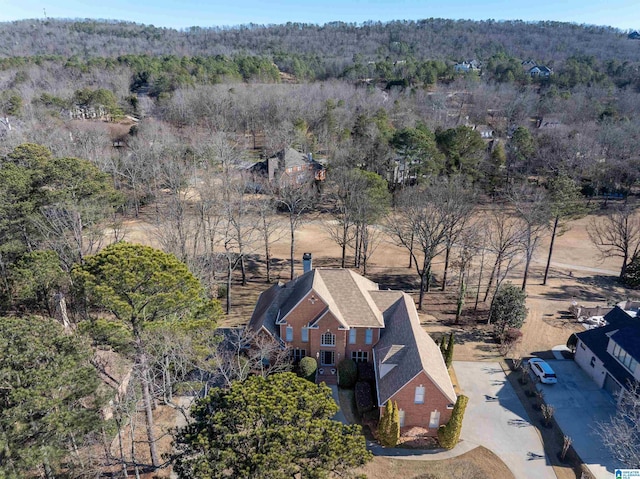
{"x":597,"y":340}
{"x":629,"y":339}
{"x":541,"y":70}
{"x":405,"y":349}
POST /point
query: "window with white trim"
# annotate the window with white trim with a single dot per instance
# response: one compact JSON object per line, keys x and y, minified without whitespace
{"x":419,"y":397}
{"x":360,"y":356}
{"x":297,"y":354}
{"x":401,"y":417}
{"x":352,"y":336}
{"x":328,"y":339}
{"x":434,"y":420}
{"x":368,"y":337}
{"x":289,"y":335}
{"x":305,"y":334}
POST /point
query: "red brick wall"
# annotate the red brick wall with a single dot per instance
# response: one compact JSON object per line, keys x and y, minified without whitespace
{"x":305,"y":311}
{"x":419,"y":414}
{"x":360,"y":344}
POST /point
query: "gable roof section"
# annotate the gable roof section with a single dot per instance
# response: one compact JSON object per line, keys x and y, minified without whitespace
{"x":268,"y":307}
{"x":347,"y":295}
{"x":405,"y":341}
{"x":597,"y":340}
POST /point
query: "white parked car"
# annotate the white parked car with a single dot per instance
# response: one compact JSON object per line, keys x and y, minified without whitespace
{"x":543,"y":371}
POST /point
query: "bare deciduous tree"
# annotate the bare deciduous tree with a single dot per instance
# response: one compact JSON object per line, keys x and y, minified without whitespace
{"x":420,"y":226}
{"x":295,"y":199}
{"x":617,"y":234}
{"x":621,"y":434}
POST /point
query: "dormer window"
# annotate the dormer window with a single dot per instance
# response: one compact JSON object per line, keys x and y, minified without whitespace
{"x":328,"y":339}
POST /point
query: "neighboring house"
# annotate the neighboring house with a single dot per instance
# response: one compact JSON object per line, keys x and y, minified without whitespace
{"x":464,"y":67}
{"x":290,"y":166}
{"x":332,"y":314}
{"x":540,"y":71}
{"x":549,"y":123}
{"x":528,"y":64}
{"x":610,"y":354}
{"x":634,"y":36}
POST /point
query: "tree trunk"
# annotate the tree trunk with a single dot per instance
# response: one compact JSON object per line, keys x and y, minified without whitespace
{"x":422,"y":288}
{"x":462,"y":292}
{"x":428,"y":279}
{"x":243,"y":270}
{"x":446,"y":267}
{"x":475,"y":307}
{"x":293,"y":240}
{"x":411,"y":251}
{"x":123,"y":461}
{"x":148,"y":410}
{"x":553,"y":238}
{"x":141,"y":360}
{"x":625,"y":259}
{"x":491,"y":276}
{"x":526,"y":271}
{"x":268,"y":262}
{"x":345,"y":232}
{"x":228,"y":293}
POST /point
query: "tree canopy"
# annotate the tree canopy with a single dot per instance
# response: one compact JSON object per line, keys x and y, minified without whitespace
{"x":274,"y":427}
{"x":508,"y":309}
{"x":47,"y":395}
{"x":139,"y":283}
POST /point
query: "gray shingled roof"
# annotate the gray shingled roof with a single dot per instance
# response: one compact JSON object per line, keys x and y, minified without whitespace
{"x":347,"y":295}
{"x":356,"y":302}
{"x":406,"y":342}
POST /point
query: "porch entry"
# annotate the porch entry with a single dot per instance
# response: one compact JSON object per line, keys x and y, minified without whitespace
{"x":327,"y":358}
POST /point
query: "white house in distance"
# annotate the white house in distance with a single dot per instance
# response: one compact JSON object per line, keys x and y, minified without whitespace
{"x":610,"y":354}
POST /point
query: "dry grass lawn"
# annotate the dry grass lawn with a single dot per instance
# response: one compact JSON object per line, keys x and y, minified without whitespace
{"x":480,"y":463}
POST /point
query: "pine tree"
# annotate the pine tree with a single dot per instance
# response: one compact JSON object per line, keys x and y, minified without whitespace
{"x":449,"y":435}
{"x":280,"y":426}
{"x":389,"y":425}
{"x":394,"y":425}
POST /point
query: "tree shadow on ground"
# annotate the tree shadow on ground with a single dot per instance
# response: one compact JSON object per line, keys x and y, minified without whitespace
{"x":590,"y":288}
{"x":389,"y":280}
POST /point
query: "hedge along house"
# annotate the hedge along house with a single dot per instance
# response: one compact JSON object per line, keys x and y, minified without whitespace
{"x":331,"y":314}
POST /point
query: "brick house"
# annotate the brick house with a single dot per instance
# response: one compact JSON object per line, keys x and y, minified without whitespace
{"x":290,"y":166}
{"x":332,"y":314}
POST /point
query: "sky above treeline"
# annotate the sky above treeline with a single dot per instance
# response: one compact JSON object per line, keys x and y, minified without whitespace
{"x":623,"y":14}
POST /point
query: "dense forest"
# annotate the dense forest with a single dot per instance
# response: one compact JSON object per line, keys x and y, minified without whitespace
{"x":105,"y":125}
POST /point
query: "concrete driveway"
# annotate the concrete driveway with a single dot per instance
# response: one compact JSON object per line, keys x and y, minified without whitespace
{"x":579,"y":406}
{"x":496,"y":419}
